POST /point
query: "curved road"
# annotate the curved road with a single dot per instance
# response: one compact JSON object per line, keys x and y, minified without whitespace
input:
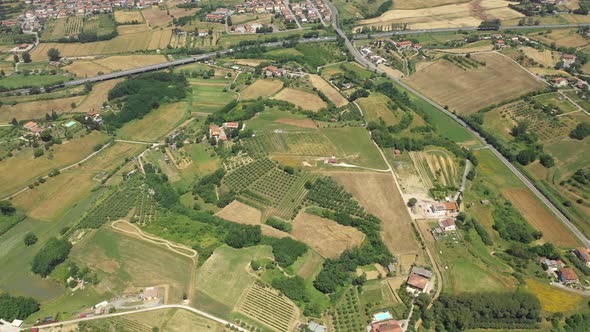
{"x":360,"y":59}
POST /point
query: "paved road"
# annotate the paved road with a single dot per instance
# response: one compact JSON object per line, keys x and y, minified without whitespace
{"x":166,"y":306}
{"x":360,"y":59}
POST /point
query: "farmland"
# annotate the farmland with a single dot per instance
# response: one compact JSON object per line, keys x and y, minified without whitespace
{"x":224,"y":277}
{"x":561,"y":37}
{"x":499,"y":79}
{"x":443,"y":15}
{"x":379,"y":195}
{"x":208,"y":96}
{"x":375,"y":107}
{"x":348,"y":316}
{"x":71,"y":26}
{"x":553,"y":299}
{"x":128,"y":16}
{"x":436,"y":167}
{"x":269,"y":307}
{"x":37,"y":109}
{"x":325,"y":236}
{"x":300,"y":98}
{"x":261,"y":88}
{"x":304,"y":143}
{"x":328,"y":90}
{"x":157,"y":124}
{"x":94,"y":100}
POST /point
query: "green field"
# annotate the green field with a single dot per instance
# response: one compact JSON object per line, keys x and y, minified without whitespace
{"x":224,"y":276}
{"x":355,"y":145}
{"x":209,"y":96}
{"x":21,"y":81}
{"x":155,"y":125}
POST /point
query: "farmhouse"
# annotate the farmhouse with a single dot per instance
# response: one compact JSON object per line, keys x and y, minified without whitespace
{"x":151,"y":294}
{"x":419,"y":280}
{"x":444,"y":208}
{"x":231,"y":125}
{"x":567,"y":275}
{"x":30,"y":125}
{"x":272,"y":71}
{"x":217,"y":132}
{"x":93,"y":116}
{"x":568,"y":60}
{"x":583,"y":254}
{"x":552,"y":264}
{"x":447,"y":225}
{"x":560,"y":82}
{"x":386,"y":326}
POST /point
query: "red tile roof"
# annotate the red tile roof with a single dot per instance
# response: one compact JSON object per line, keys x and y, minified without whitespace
{"x":568,"y":274}
{"x":417,"y":281}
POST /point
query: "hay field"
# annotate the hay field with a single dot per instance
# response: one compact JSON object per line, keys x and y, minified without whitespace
{"x":126,"y":261}
{"x":540,"y":218}
{"x":328,"y":90}
{"x":155,"y":124}
{"x":326,"y":237}
{"x":157,"y":17}
{"x":445,"y":16}
{"x":375,"y":107}
{"x":436,"y":167}
{"x":149,"y":40}
{"x":97,"y":96}
{"x":500,"y":79}
{"x":172,"y":320}
{"x":244,"y":214}
{"x":22,"y":169}
{"x":224,"y":277}
{"x":546,"y":58}
{"x":305,"y":100}
{"x":416,"y":4}
{"x":303,"y":123}
{"x":261,"y":88}
{"x":51,"y":200}
{"x":123,"y":17}
{"x":109,"y":64}
{"x":37,"y":109}
{"x":554,"y":299}
{"x":132,"y":28}
{"x":561,"y":37}
{"x":379,"y":195}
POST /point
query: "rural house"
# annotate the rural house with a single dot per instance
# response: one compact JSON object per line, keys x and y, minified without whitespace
{"x":447,"y":225}
{"x":217,"y":132}
{"x":93,"y":116}
{"x":560,"y":82}
{"x":568,"y":60}
{"x":231,"y":125}
{"x":583,"y":254}
{"x":151,"y":294}
{"x":387,"y":326}
{"x":552,"y":264}
{"x":442,"y":209}
{"x":272,"y":71}
{"x":567,"y":275}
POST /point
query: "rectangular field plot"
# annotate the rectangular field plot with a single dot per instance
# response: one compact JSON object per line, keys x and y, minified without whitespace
{"x":268,"y":307}
{"x":294,"y":143}
{"x":246,"y":175}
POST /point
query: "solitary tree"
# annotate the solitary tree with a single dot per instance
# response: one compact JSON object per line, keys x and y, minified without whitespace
{"x":412,"y":202}
{"x":26,"y":57}
{"x":14,"y":122}
{"x":53,"y":54}
{"x":30,"y":239}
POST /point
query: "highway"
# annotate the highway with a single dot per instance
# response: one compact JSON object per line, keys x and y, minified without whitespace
{"x":360,"y":59}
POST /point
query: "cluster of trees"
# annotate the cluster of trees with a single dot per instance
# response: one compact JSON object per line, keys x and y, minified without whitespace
{"x":145,"y":93}
{"x":292,"y":287}
{"x":54,"y":252}
{"x":467,"y":224}
{"x":581,"y":131}
{"x":206,"y":189}
{"x":286,"y":250}
{"x":582,"y":176}
{"x":487,"y":310}
{"x":17,"y":307}
{"x":512,"y":226}
{"x":279,"y":224}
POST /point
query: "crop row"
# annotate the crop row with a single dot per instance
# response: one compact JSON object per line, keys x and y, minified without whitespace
{"x":275,"y":185}
{"x":246,"y":175}
{"x":328,"y":194}
{"x":266,"y":306}
{"x":302,"y":144}
{"x":114,"y":207}
{"x":347,"y":315}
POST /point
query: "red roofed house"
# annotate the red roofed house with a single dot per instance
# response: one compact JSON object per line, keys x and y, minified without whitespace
{"x":151,"y":293}
{"x":448,"y":225}
{"x":568,"y":60}
{"x":214,"y":130}
{"x":30,"y":125}
{"x":451,"y":206}
{"x":272,"y":71}
{"x":567,"y":275}
{"x":403,"y":44}
{"x":583,"y":255}
{"x":387,"y":326}
{"x":560,"y":82}
{"x":37,"y":131}
{"x":23,"y":46}
{"x":417,"y":282}
{"x":231,"y":125}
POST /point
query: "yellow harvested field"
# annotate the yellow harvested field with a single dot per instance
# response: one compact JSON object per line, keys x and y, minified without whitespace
{"x":540,"y":218}
{"x":249,"y":62}
{"x":326,"y":237}
{"x":99,"y":94}
{"x":149,"y":40}
{"x":444,"y":16}
{"x":304,"y":123}
{"x":391,"y":71}
{"x":37,"y":109}
{"x":450,"y":85}
{"x":51,"y":200}
{"x":122,"y":16}
{"x":561,"y":37}
{"x":157,"y":17}
{"x":155,"y":125}
{"x":109,"y":64}
{"x":244,"y":214}
{"x":379,"y":195}
{"x":305,"y":100}
{"x":416,"y":4}
{"x":132,"y":28}
{"x":261,"y":88}
{"x":327,"y":89}
{"x":554,"y":299}
{"x":22,"y":169}
{"x":546,"y":58}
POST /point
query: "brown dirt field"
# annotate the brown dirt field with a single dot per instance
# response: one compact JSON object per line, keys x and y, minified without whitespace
{"x":391,"y":71}
{"x":304,"y":123}
{"x":500,"y":79}
{"x":305,"y":100}
{"x":86,"y":68}
{"x":132,"y":28}
{"x":325,"y":236}
{"x":379,"y":195}
{"x":245,"y":214}
{"x":97,"y":96}
{"x":261,"y":88}
{"x":128,"y":16}
{"x":241,"y":213}
{"x":328,"y":90}
{"x":541,"y":219}
{"x":37,"y":109}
